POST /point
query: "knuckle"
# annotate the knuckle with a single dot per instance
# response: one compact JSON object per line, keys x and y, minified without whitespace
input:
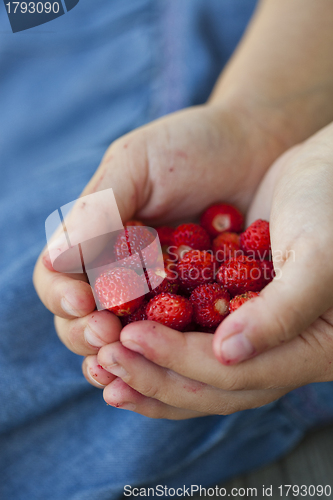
{"x":283,"y":332}
{"x":235,"y":381}
{"x":74,"y":336}
{"x":151,"y":391}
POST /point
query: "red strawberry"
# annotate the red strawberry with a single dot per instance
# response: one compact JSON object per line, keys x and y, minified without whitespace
{"x":226,"y":245}
{"x":130,"y":241}
{"x":168,"y":285}
{"x":268,"y":272}
{"x":196,"y":268}
{"x":171,"y":310}
{"x":239,"y":300}
{"x":165,"y":234}
{"x":240,"y":275}
{"x":255,"y":241}
{"x":120,"y":290}
{"x":134,"y":223}
{"x":222,"y":217}
{"x":138,"y":315}
{"x":190,"y":237}
{"x":210,"y":304}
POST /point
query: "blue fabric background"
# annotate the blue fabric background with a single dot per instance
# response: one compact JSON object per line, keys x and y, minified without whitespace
{"x":67,"y":90}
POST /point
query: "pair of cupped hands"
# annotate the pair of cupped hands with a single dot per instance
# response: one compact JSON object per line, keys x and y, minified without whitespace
{"x":170,"y":171}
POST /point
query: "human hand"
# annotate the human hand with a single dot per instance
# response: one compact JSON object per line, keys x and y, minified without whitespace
{"x":183,"y":375}
{"x":169,"y":169}
{"x":296,"y":308}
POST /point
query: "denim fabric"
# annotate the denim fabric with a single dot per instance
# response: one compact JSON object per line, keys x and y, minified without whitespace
{"x":67,"y":90}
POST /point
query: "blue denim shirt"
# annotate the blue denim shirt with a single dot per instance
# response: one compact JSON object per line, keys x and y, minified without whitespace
{"x":67,"y":90}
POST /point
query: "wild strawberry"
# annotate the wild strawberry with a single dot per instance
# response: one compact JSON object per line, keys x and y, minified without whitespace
{"x":240,"y":275}
{"x":222,"y":217}
{"x":239,"y":300}
{"x":165,"y":234}
{"x":190,"y":237}
{"x":226,"y":245}
{"x":120,"y":290}
{"x":171,"y":310}
{"x":168,"y":285}
{"x":138,"y":315}
{"x":134,"y":223}
{"x":255,"y":241}
{"x":196,"y":268}
{"x":268,"y":272}
{"x":210,"y":304}
{"x":132,"y":241}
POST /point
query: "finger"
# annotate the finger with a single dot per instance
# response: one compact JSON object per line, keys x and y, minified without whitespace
{"x":191,"y":354}
{"x":86,"y":335}
{"x":121,"y":395}
{"x":64,"y":295}
{"x":175,"y":390}
{"x":95,"y":374}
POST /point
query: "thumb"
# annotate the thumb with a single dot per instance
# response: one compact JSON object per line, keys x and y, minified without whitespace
{"x":298,"y":295}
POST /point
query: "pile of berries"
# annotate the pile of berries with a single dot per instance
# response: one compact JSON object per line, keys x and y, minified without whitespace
{"x":209,"y":270}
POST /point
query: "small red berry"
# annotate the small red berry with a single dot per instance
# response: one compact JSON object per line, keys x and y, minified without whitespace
{"x":168,"y":285}
{"x":239,"y":300}
{"x":120,"y":290}
{"x":226,"y":245}
{"x":132,"y":241}
{"x":165,"y":234}
{"x":171,"y":310}
{"x":210,"y":304}
{"x":222,"y":217}
{"x":255,"y":241}
{"x":190,"y":237}
{"x":268,"y":272}
{"x":196,"y":268}
{"x":240,"y":275}
{"x":138,"y":315}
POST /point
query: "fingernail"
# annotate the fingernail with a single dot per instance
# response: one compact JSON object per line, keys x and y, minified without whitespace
{"x":92,"y":338}
{"x":47,"y":261}
{"x":237,"y":348}
{"x":94,"y":380}
{"x":117,"y":370}
{"x":133,"y":346}
{"x":68,"y":308}
{"x":128,"y":406}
